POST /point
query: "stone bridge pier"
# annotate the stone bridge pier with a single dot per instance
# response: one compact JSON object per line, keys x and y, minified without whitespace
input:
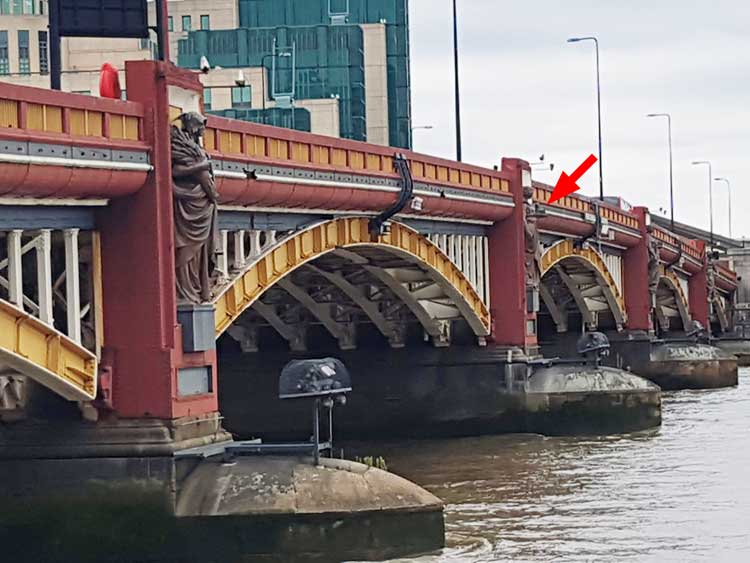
{"x":650,"y":300}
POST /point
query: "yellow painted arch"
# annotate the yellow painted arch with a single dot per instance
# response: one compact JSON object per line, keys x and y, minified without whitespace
{"x":566,"y":249}
{"x":311,"y":243}
{"x":50,"y":358}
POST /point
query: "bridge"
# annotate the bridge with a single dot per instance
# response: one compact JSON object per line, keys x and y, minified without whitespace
{"x":87,"y":279}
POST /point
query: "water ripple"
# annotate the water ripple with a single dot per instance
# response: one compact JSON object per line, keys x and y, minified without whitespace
{"x":680,"y":493}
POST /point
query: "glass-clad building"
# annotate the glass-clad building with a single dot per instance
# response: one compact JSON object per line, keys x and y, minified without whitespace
{"x":337,"y":47}
{"x":289,"y":118}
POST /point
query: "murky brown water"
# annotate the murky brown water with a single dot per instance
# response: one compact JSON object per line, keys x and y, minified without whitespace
{"x":681,"y":493}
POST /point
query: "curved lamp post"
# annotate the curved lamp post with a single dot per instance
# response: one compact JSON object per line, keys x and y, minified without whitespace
{"x":598,"y":108}
{"x":710,"y":198}
{"x":671,"y":180}
{"x":455,"y":66}
{"x":729,"y":193}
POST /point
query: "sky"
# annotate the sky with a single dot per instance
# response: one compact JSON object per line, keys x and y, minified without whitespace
{"x":525,"y":91}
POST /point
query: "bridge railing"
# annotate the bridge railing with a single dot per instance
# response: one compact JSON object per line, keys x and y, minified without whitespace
{"x":725,"y":270}
{"x":582,"y":204}
{"x":232,"y":139}
{"x":689,"y":247}
{"x":60,"y":145}
{"x":59,"y":115}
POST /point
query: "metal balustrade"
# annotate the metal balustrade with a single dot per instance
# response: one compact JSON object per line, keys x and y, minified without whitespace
{"x":470,"y":254}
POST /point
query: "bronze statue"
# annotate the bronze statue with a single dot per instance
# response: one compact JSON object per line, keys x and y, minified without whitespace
{"x":713,"y":292}
{"x":195,"y":211}
{"x":654,"y":274}
{"x":533,"y":249}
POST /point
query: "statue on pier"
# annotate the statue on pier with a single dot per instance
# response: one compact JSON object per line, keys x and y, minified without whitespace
{"x":654,"y":272}
{"x":195,"y":211}
{"x":713,"y":292}
{"x":715,"y":302}
{"x":533,"y":248}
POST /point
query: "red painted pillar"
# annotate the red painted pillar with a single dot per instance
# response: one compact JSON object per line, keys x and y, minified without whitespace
{"x":698,"y":291}
{"x":511,"y":323}
{"x":142,"y":341}
{"x":635,"y":267}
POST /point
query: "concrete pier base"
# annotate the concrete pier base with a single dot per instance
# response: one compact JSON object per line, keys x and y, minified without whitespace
{"x":429,"y":392}
{"x":738,"y":347}
{"x":691,"y":366}
{"x":590,"y":400}
{"x":121,"y":494}
{"x":672,"y":364}
{"x":287,"y":508}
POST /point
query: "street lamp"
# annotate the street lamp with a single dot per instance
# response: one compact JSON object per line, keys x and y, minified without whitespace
{"x":729,"y":193}
{"x":710,"y":198}
{"x":671,"y":180}
{"x":263,"y":80}
{"x":598,"y":107}
{"x":263,"y":77}
{"x":458,"y":101}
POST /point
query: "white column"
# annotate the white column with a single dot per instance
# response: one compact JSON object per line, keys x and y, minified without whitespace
{"x":223,"y":260}
{"x":254,"y":243}
{"x":488,"y":272}
{"x":470,"y":260}
{"x":451,"y":250}
{"x":479,"y":261}
{"x":15,"y":268}
{"x":239,"y":250}
{"x":44,"y":276}
{"x":270,"y":238}
{"x":72,"y":284}
{"x":461,"y":253}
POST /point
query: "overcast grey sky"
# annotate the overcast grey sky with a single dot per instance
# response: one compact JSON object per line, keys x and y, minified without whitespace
{"x":525,"y":91}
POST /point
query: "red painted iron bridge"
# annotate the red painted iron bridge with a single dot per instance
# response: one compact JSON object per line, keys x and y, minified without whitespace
{"x":88,"y":306}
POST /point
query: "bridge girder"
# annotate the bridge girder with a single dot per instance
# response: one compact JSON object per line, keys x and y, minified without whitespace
{"x":559,"y":314}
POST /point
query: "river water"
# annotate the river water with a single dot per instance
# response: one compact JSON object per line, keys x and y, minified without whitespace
{"x":679,"y":493}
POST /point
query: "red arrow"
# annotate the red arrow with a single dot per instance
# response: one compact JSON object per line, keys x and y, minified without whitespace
{"x":566,"y":185}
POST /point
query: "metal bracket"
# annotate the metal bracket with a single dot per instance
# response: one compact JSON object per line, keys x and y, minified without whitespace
{"x":378,"y":224}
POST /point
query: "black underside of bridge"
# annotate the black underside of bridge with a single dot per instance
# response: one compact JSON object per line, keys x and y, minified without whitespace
{"x":284,"y":221}
{"x":29,"y":217}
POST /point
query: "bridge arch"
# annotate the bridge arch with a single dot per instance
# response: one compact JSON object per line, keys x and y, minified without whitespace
{"x":671,"y":301}
{"x":582,"y":274}
{"x":341,"y":256}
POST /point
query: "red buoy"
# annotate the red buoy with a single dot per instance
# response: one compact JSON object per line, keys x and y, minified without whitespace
{"x":109,"y":82}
